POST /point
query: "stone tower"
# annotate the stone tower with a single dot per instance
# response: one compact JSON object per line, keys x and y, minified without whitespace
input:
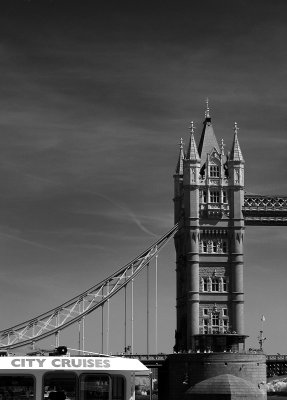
{"x":208,"y":200}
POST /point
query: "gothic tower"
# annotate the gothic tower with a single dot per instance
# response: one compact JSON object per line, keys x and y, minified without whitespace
{"x":208,"y":200}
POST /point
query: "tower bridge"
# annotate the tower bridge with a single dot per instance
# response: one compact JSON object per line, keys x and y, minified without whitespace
{"x":211,"y":211}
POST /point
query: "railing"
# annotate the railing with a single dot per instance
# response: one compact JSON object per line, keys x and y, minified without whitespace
{"x":277,"y":357}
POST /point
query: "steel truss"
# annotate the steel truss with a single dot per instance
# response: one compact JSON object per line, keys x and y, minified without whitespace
{"x":265,"y":210}
{"x":74,"y":310}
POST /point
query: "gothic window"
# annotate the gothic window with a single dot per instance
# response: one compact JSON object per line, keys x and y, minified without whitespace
{"x":215,"y":285}
{"x":224,"y":287}
{"x":204,"y":246}
{"x":205,"y":285}
{"x":224,"y":196}
{"x":214,"y":171}
{"x":214,"y":197}
{"x":215,"y":323}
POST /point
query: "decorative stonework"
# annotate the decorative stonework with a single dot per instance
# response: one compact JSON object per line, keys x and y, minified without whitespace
{"x":208,"y":271}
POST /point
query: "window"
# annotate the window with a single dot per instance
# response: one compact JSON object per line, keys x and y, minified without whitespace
{"x":225,"y":325}
{"x":118,"y":387}
{"x":142,"y":387}
{"x":205,"y":326}
{"x":224,"y":196}
{"x":224,"y":246}
{"x":224,"y":287}
{"x":215,"y":323}
{"x":214,"y":171}
{"x":205,"y":284}
{"x":94,"y":386}
{"x":205,"y":312}
{"x":214,"y":197}
{"x":224,"y":312}
{"x":60,"y":385}
{"x":204,"y":246}
{"x":204,"y":196}
{"x":215,"y":285}
{"x":17,"y":387}
{"x":214,"y":247}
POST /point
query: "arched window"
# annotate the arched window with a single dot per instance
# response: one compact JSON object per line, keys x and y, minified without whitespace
{"x":224,"y":284}
{"x":215,"y":285}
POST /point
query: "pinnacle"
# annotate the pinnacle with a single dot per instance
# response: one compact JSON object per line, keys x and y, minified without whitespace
{"x":236,"y":154}
{"x":179,"y":167}
{"x":192,"y":153}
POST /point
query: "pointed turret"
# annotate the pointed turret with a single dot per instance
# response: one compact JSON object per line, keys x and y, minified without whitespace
{"x":236,"y":154}
{"x":208,"y":140}
{"x":192,"y":153}
{"x":179,"y":166}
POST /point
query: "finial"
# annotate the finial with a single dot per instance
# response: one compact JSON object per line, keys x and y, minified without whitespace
{"x":207,"y":115}
{"x":222,"y":147}
{"x":236,"y":129}
{"x":181,"y":144}
{"x":192,"y":127}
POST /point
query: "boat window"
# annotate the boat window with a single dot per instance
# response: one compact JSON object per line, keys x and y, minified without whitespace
{"x":142,"y":387}
{"x":59,"y":386}
{"x":94,"y":387}
{"x":17,"y":387}
{"x":118,"y":387}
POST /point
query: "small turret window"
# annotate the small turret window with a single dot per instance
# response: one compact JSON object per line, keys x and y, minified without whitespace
{"x":214,"y":171}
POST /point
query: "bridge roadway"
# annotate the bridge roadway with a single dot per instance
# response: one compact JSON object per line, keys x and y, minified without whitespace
{"x":276,"y":364}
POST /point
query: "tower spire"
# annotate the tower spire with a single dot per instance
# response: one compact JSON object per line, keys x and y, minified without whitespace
{"x":192,"y":152}
{"x":236,"y":154}
{"x":208,"y":141}
{"x":207,"y":114}
{"x":179,"y":167}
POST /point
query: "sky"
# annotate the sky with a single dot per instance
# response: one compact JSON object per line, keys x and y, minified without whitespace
{"x":95,"y":96}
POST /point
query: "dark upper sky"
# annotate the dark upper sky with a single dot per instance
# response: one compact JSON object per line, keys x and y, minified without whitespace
{"x":94,"y":99}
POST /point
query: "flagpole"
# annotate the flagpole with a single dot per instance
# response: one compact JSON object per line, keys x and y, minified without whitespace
{"x":261,"y":338}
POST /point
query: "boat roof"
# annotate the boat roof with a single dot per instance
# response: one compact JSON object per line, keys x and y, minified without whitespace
{"x":72,"y":363}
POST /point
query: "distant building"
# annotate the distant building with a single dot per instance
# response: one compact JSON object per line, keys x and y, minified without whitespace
{"x":208,"y":201}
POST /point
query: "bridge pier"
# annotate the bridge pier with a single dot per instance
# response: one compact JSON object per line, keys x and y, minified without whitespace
{"x":180,"y":372}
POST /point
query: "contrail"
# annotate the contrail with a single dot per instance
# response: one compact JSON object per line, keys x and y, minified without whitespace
{"x":133,"y":217}
{"x":128,"y":212}
{"x":42,"y":246}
